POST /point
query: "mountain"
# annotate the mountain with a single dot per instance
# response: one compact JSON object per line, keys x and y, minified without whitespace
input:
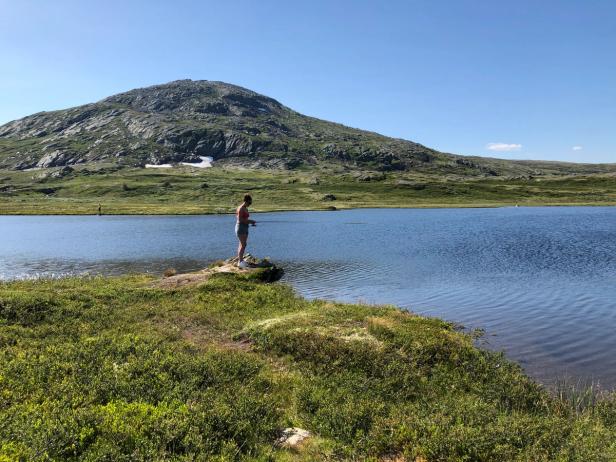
{"x":183,"y":120}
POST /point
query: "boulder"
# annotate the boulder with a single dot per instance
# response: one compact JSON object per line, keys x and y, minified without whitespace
{"x":63,"y":172}
{"x":364,"y":177}
{"x":292,"y":437}
{"x":259,"y":269}
{"x":56,"y":158}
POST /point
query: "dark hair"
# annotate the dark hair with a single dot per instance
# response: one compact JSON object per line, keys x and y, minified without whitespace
{"x":247,"y":198}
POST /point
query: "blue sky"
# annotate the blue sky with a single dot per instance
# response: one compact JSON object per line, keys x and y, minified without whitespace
{"x":512,"y":79}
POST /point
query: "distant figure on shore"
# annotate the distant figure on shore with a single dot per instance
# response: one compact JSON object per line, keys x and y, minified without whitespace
{"x":241,"y":229}
{"x":100,"y":209}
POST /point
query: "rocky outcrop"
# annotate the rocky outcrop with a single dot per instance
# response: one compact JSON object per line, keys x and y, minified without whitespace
{"x":56,"y":158}
{"x":184,"y":120}
{"x":259,"y":269}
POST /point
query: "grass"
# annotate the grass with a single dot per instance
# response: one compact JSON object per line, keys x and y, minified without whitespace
{"x":116,"y":369}
{"x":218,"y":190}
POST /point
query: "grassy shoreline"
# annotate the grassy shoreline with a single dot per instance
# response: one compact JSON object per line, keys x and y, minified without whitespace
{"x":216,"y":190}
{"x":47,"y":212}
{"x":120,"y":369}
{"x":186,"y":211}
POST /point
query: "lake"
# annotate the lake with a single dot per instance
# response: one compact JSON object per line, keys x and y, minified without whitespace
{"x":540,"y":281}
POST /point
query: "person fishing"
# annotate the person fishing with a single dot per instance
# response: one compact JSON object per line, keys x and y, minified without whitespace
{"x":241,"y":229}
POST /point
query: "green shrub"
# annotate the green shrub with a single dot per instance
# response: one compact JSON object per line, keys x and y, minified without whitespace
{"x":114,"y":369}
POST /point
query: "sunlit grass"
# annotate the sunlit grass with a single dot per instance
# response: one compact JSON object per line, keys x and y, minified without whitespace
{"x":217,"y":190}
{"x":117,"y":369}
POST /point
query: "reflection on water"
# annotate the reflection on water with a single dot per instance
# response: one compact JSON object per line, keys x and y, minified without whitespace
{"x":539,"y":280}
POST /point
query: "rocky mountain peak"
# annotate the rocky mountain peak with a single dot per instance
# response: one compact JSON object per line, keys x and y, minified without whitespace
{"x":197,"y":97}
{"x":183,"y":120}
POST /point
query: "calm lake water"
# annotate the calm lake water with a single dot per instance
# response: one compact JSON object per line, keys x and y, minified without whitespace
{"x":540,"y":281}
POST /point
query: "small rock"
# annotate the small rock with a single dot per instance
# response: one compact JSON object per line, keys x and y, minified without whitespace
{"x":64,"y":171}
{"x":292,"y":437}
{"x":170,"y":272}
{"x":365,"y":177}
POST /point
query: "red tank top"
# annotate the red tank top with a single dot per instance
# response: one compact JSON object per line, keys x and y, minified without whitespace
{"x":242,"y":214}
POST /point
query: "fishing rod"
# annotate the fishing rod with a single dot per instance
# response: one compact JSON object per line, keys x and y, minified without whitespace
{"x":284,"y":221}
{"x":298,"y":222}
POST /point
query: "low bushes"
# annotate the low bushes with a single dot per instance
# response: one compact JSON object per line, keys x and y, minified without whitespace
{"x":115,"y":369}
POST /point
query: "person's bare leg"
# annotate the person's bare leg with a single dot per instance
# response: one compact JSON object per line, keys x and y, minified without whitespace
{"x":242,"y":247}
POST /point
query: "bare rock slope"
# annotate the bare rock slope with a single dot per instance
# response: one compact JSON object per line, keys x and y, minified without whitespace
{"x":183,"y":120}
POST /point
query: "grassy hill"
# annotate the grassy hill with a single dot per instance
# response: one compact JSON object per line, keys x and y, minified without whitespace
{"x":68,"y":161}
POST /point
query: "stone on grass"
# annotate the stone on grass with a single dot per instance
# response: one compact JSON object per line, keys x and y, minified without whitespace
{"x":261,"y":270}
{"x":292,"y":437}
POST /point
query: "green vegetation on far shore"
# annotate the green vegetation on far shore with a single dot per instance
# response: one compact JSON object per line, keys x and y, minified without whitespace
{"x":188,"y":190}
{"x":118,"y":369}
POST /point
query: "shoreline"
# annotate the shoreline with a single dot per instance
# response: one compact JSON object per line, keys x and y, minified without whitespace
{"x":337,"y":209}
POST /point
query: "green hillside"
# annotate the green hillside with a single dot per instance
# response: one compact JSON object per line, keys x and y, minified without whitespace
{"x":68,"y":161}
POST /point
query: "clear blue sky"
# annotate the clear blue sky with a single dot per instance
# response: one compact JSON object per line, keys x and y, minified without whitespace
{"x":526,"y":78}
